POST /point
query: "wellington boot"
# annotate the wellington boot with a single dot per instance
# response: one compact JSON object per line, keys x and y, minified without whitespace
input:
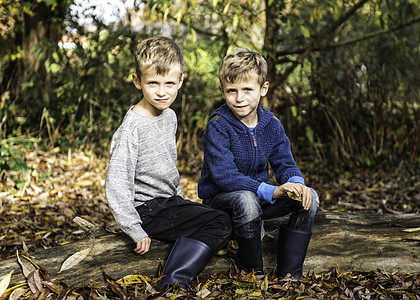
{"x":291,"y":251}
{"x":250,"y":254}
{"x":186,"y":260}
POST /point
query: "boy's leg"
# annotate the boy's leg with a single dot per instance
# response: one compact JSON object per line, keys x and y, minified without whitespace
{"x":300,"y":219}
{"x":168,"y":219}
{"x":245,"y":210}
{"x":198,"y":232}
{"x":293,"y":239}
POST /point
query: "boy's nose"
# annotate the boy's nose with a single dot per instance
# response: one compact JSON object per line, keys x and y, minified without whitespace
{"x":161,"y":90}
{"x":240,"y":97}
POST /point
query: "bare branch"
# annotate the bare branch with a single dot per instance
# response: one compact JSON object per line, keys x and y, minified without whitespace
{"x":324,"y":34}
{"x":351,"y":41}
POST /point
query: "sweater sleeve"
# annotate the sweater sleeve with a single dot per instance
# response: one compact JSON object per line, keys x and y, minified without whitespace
{"x":220,"y":161}
{"x":281,"y":159}
{"x":119,"y":185}
{"x":265,"y":192}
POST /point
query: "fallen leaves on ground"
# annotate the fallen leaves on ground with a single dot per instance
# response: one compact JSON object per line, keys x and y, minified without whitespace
{"x":229,"y":285}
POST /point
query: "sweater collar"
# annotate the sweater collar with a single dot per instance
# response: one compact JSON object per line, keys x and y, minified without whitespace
{"x":264,"y":116}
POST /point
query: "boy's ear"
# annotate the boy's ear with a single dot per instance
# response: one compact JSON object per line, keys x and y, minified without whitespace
{"x":181,"y":81}
{"x":221,"y":91}
{"x":264,"y":88}
{"x":136,"y":81}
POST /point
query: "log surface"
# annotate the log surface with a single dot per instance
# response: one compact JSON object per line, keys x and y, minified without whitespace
{"x":354,"y":242}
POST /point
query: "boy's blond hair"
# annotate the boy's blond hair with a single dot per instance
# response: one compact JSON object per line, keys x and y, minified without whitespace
{"x":158,"y":52}
{"x":241,"y":63}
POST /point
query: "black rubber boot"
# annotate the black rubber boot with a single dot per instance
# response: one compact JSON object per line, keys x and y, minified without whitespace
{"x":250,"y":254}
{"x":291,"y":251}
{"x":186,"y":260}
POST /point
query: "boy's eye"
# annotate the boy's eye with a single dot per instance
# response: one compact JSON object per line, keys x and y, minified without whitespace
{"x":152,"y":82}
{"x":230,"y":91}
{"x":170,"y":83}
{"x":248,"y":89}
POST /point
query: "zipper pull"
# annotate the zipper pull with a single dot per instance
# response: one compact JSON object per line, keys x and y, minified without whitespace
{"x":255,"y":142}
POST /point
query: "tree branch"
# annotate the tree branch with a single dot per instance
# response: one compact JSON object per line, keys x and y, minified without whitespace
{"x":321,"y":37}
{"x":350,"y":41}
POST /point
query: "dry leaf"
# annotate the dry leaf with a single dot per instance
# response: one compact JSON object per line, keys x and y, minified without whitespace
{"x":75,"y":259}
{"x":25,"y":270}
{"x":17,"y":293}
{"x":133,"y":279}
{"x":35,"y":282}
{"x":412,"y":229}
{"x":4,"y":283}
{"x":203,"y":293}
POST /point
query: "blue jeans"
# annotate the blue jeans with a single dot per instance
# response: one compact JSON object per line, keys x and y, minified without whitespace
{"x":247,"y":211}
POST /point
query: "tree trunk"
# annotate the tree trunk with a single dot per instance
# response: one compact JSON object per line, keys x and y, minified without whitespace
{"x":272,"y":39}
{"x":354,"y":242}
{"x":38,"y":38}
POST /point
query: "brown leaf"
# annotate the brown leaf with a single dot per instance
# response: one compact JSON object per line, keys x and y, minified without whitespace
{"x":25,"y":270}
{"x":74,"y":259}
{"x":52,"y":287}
{"x":17,"y":293}
{"x":35,"y":282}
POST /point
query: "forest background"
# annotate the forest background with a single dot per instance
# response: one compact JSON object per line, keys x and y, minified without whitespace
{"x":344,"y":81}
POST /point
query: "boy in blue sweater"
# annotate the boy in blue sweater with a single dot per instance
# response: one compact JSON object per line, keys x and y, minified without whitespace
{"x":240,"y":141}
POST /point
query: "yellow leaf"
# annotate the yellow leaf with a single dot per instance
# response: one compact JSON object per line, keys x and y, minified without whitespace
{"x":84,"y":183}
{"x":4,"y":283}
{"x":75,"y":259}
{"x":133,"y":279}
{"x":412,"y":229}
{"x":226,"y":9}
{"x":293,"y":196}
{"x":255,"y":294}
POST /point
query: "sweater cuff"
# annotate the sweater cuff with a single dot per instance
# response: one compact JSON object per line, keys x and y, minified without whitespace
{"x":265,"y":192}
{"x":296,"y":179}
{"x":136,"y":233}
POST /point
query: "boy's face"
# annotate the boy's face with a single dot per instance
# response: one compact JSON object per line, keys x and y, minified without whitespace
{"x":159,"y":91}
{"x":243,"y":96}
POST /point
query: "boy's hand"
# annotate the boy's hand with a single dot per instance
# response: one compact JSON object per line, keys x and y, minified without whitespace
{"x":298,"y":189}
{"x":143,"y":245}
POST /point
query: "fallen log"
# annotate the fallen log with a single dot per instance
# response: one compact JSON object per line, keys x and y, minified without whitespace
{"x":353,"y":242}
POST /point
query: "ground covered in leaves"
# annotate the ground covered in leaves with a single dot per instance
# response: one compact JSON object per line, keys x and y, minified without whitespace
{"x":39,"y":202}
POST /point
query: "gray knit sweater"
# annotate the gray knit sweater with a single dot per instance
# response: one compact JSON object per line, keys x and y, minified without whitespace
{"x":142,"y":167}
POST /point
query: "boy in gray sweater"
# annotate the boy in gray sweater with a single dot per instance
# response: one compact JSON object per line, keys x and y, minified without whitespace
{"x":142,"y":183}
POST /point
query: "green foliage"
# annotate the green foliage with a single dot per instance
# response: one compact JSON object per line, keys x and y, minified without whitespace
{"x":351,"y":102}
{"x":12,"y":158}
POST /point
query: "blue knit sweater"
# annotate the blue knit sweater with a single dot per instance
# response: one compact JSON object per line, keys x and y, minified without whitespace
{"x":236,"y":158}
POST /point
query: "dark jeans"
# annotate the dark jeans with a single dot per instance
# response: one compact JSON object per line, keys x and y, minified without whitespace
{"x":247,"y":211}
{"x":168,"y":219}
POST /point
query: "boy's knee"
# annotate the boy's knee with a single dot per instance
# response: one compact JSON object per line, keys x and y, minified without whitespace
{"x":248,"y":206}
{"x":315,"y":199}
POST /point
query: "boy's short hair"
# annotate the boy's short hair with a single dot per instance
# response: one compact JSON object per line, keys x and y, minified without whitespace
{"x":158,"y":52}
{"x":240,"y":63}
